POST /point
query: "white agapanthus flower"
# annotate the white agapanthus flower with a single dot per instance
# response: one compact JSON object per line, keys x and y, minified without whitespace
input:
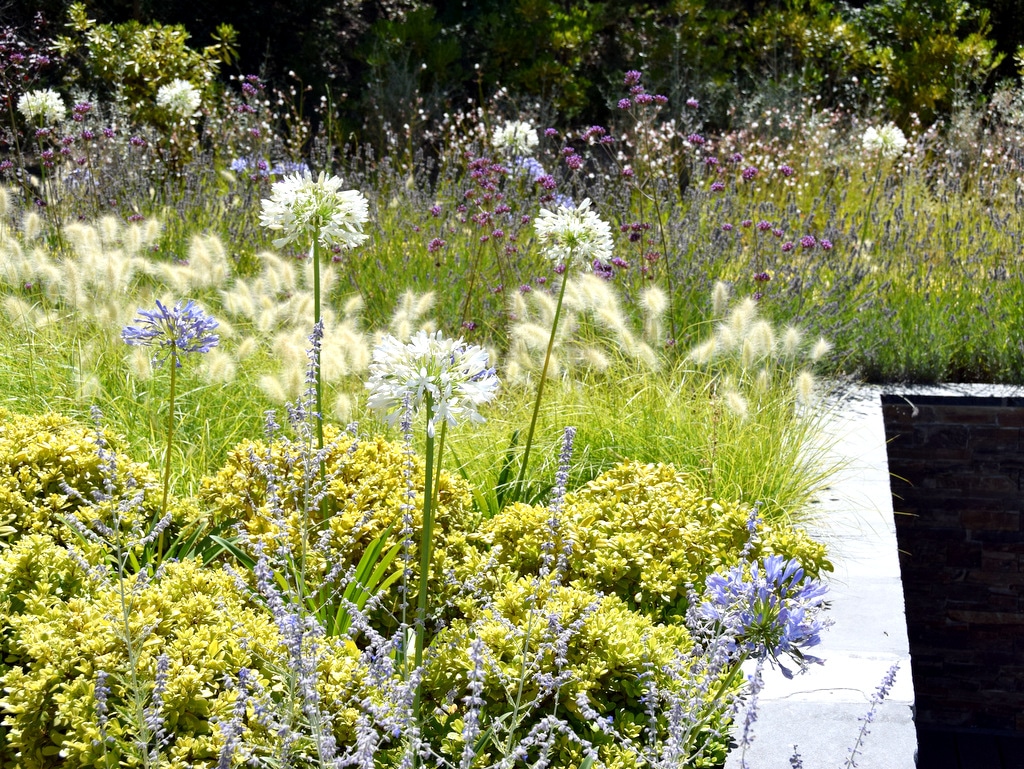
{"x":888,"y":140}
{"x":300,"y":206}
{"x":574,"y":235}
{"x":516,"y":135}
{"x":455,"y":376}
{"x":179,"y":97}
{"x":44,"y":107}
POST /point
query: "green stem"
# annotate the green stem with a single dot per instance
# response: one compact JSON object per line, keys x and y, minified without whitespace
{"x":540,"y":384}
{"x":170,"y":434}
{"x":316,"y":359}
{"x":871,"y":203}
{"x":426,"y":542}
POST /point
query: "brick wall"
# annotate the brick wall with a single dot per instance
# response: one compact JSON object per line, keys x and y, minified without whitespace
{"x":956,"y":471}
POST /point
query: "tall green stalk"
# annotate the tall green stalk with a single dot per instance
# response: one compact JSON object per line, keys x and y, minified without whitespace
{"x":540,"y":387}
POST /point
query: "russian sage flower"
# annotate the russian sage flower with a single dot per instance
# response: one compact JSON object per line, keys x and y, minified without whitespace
{"x":179,"y":97}
{"x":574,"y":235}
{"x":888,"y":141}
{"x":183,"y":329}
{"x":45,"y":107}
{"x":454,"y":375}
{"x":516,"y":135}
{"x":301,"y":207}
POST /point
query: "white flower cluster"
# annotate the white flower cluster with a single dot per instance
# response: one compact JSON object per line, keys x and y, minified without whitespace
{"x":517,"y":136}
{"x":453,"y":374}
{"x":888,"y":140}
{"x":45,"y":107}
{"x":574,"y":235}
{"x":179,"y":97}
{"x":301,"y":206}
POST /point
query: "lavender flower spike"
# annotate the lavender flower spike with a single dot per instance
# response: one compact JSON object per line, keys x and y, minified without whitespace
{"x":183,"y":329}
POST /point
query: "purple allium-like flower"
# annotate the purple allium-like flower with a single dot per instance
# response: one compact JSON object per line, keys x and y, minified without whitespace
{"x":551,"y":133}
{"x":660,"y":99}
{"x":695,"y":139}
{"x":762,"y":277}
{"x":136,"y":141}
{"x":785,"y":171}
{"x":727,"y":227}
{"x":692,"y":103}
{"x":717,"y":186}
{"x":435,"y":245}
{"x":747,"y":223}
{"x":175,"y":332}
{"x":749,"y":173}
{"x":631,"y":78}
{"x":711,"y":160}
{"x":575,"y":162}
{"x":625,"y":104}
{"x":807,"y":241}
{"x":736,"y":157}
{"x":787,"y":246}
{"x":778,"y":232}
{"x":644,"y":98}
{"x":826,"y":244}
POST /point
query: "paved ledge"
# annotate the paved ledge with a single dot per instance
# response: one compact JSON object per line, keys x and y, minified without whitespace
{"x":820,"y":711}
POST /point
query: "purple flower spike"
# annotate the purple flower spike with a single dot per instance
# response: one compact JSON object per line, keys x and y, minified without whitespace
{"x":175,"y":332}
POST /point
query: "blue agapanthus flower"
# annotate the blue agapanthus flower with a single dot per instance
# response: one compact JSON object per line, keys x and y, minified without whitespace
{"x":772,"y":608}
{"x":181,"y":330}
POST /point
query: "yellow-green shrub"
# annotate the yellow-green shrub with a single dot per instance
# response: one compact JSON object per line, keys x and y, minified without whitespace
{"x":38,"y":455}
{"x":61,"y":627}
{"x":367,"y":488}
{"x":642,"y":532}
{"x":607,"y":655}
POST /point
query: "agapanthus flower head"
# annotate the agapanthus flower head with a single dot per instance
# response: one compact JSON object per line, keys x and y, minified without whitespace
{"x":888,"y":141}
{"x":301,"y":207}
{"x":772,"y":608}
{"x":173,"y":332}
{"x":574,"y":235}
{"x":516,"y":135}
{"x":42,"y":107}
{"x":179,"y":97}
{"x":455,"y":376}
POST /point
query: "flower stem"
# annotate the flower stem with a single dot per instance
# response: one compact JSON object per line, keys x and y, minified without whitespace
{"x":540,"y":387}
{"x":170,"y":433}
{"x":316,"y":361}
{"x":426,"y":541}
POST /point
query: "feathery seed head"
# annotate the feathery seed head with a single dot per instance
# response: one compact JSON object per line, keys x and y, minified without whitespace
{"x":719,"y":299}
{"x":821,"y":348}
{"x":791,"y":341}
{"x":805,"y":388}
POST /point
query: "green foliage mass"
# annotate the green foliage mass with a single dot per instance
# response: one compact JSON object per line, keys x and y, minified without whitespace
{"x":131,"y":60}
{"x":61,"y":627}
{"x":42,"y":455}
{"x":642,"y":532}
{"x":611,"y":658}
{"x":367,"y":488}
